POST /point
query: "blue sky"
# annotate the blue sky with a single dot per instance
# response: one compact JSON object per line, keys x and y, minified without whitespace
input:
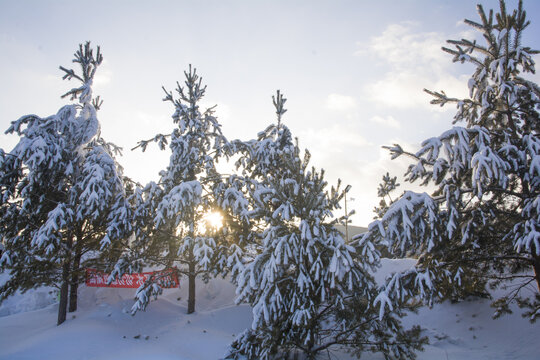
{"x":353,"y":72}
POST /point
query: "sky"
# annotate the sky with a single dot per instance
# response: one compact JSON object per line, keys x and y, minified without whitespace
{"x":352,"y":73}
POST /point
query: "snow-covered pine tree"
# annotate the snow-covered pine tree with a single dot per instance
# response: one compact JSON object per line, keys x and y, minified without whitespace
{"x":172,"y":215}
{"x":481,"y":225}
{"x":63,"y":199}
{"x":304,"y":281}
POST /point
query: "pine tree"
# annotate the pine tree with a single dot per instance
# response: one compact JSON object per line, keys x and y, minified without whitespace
{"x":480,"y":226}
{"x":307,"y":291}
{"x":171,"y":216}
{"x":63,"y":199}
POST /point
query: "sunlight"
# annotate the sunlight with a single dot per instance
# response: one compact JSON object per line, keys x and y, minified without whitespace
{"x":214,"y":220}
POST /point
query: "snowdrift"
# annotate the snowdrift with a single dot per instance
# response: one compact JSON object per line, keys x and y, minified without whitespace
{"x":103,"y":329}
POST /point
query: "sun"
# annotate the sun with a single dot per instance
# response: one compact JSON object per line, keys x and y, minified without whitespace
{"x":214,"y":220}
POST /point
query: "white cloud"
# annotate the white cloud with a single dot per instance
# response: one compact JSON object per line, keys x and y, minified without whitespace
{"x":399,"y":90}
{"x":400,"y":46}
{"x":387,"y":121}
{"x":340,"y":102}
{"x":404,"y":90}
{"x":414,"y":62}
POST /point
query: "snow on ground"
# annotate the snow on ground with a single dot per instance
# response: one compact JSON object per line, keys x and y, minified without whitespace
{"x":103,"y":329}
{"x":33,"y":299}
{"x":466,"y":330}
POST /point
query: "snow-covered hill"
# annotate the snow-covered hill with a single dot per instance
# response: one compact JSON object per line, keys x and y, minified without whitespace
{"x":102,"y":328}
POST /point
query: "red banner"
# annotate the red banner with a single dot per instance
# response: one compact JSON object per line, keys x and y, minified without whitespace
{"x":166,"y":279}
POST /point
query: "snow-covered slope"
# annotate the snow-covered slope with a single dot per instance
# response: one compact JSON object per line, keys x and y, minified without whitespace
{"x":102,"y":328}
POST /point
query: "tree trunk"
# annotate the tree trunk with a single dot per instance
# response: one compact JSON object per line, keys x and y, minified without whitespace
{"x":62,"y":306}
{"x":191,"y":257}
{"x":536,"y":266}
{"x":191,"y":287}
{"x":74,"y":287}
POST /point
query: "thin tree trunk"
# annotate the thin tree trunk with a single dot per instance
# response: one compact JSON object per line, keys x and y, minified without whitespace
{"x":62,"y":306}
{"x":191,"y":287}
{"x":74,"y":287}
{"x":534,"y":250}
{"x":536,"y":266}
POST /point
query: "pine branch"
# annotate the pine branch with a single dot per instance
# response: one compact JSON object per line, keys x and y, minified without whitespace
{"x":159,"y":138}
{"x":69,"y":74}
